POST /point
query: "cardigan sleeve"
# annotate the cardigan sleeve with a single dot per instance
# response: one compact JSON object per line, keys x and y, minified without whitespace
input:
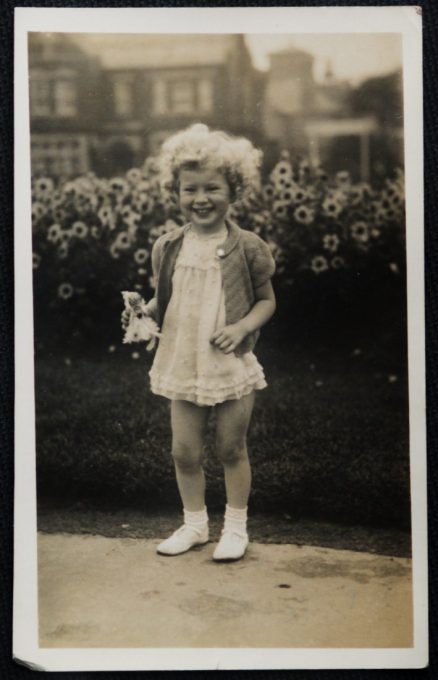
{"x":262,"y":264}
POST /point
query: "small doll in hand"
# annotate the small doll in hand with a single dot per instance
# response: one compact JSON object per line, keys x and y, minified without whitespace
{"x":137,"y":321}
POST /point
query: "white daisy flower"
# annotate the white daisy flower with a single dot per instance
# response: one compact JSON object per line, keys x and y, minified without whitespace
{"x":105,"y":215}
{"x":134,"y":175}
{"x":129,"y":216}
{"x":331,"y":207}
{"x":343,"y":178}
{"x":319,"y":264}
{"x":38,"y":211}
{"x":118,"y":185}
{"x":360,"y":232}
{"x":79,"y":229}
{"x":337,"y":262}
{"x":65,"y":291}
{"x":280,"y":209}
{"x":299,"y":194}
{"x":283,"y":170}
{"x":268,"y":192}
{"x":43,"y":187}
{"x":331,"y":242}
{"x":54,"y":233}
{"x":114,"y":251}
{"x":123,"y":240}
{"x":141,"y":255}
{"x":304,"y":215}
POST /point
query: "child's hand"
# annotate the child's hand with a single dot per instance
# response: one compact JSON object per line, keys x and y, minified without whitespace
{"x":151,"y":308}
{"x":125,"y":318}
{"x":229,"y":337}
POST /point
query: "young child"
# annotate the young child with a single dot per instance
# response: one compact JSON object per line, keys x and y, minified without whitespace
{"x":213,"y":293}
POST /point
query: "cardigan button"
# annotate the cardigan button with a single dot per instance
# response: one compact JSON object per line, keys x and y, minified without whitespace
{"x":220,"y":252}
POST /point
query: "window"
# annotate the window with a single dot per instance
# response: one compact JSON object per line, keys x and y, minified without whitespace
{"x":182,"y":97}
{"x":205,"y":96}
{"x":56,"y":154}
{"x":39,"y":96}
{"x":173,"y":96}
{"x":65,"y":98}
{"x":123,"y":104}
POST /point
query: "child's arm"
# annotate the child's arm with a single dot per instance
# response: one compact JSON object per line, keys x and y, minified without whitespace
{"x":230,"y":337}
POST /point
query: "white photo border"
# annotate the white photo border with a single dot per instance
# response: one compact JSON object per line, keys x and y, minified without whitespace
{"x":403,"y":20}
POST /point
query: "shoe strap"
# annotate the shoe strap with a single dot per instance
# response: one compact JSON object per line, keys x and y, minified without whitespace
{"x":241,"y":534}
{"x":190,"y":528}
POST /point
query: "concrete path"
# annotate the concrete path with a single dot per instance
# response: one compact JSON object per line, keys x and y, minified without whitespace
{"x":117,"y":592}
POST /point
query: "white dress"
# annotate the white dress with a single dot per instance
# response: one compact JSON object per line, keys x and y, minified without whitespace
{"x":186,"y":365}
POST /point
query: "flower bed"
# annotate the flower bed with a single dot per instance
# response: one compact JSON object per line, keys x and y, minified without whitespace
{"x":336,"y":244}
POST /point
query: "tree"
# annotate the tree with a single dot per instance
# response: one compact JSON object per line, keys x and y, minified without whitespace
{"x":382,"y":97}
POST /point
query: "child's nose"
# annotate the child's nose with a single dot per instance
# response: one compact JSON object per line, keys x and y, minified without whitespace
{"x":200,"y":196}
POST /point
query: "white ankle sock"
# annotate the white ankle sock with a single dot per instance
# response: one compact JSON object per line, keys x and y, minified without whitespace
{"x":235,"y":519}
{"x":196,"y":520}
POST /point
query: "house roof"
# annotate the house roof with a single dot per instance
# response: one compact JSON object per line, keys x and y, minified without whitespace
{"x":54,"y":47}
{"x":132,"y":50}
{"x":291,"y":51}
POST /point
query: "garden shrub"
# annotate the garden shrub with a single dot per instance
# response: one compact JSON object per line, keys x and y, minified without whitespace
{"x":338,"y":451}
{"x":339,"y":248}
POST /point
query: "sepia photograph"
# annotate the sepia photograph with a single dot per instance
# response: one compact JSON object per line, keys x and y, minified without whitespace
{"x":220,"y":361}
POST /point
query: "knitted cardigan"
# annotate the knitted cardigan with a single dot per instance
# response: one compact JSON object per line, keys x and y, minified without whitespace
{"x":246,"y":263}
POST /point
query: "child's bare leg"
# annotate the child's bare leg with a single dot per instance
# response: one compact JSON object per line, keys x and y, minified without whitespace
{"x":188,"y":430}
{"x":233,"y":419}
{"x":232,"y":425}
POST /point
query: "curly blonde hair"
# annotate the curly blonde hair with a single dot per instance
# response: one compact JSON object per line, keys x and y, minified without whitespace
{"x":198,"y":147}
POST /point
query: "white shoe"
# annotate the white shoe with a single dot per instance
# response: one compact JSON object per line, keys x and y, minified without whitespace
{"x":232,"y":545}
{"x":182,"y":540}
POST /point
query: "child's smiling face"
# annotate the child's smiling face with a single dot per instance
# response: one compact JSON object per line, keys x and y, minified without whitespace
{"x":204,"y":196}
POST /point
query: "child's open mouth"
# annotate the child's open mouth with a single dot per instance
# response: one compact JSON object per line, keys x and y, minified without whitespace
{"x":202,"y":212}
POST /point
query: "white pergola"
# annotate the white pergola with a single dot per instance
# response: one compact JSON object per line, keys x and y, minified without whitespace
{"x":362,"y":128}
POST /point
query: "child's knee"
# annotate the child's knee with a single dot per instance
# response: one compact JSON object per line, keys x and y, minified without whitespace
{"x":185,"y":457}
{"x":231,"y":452}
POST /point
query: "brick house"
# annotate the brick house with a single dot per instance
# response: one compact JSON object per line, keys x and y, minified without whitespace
{"x":317,"y":119}
{"x":104,"y":102}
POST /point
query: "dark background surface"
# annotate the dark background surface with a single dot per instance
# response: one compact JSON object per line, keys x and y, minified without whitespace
{"x":430,"y":16}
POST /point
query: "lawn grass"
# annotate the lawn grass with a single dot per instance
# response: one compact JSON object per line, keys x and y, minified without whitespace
{"x":329,"y":436}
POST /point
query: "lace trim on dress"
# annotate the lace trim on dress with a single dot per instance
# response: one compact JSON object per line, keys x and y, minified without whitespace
{"x":252,"y":373}
{"x":207,"y":398}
